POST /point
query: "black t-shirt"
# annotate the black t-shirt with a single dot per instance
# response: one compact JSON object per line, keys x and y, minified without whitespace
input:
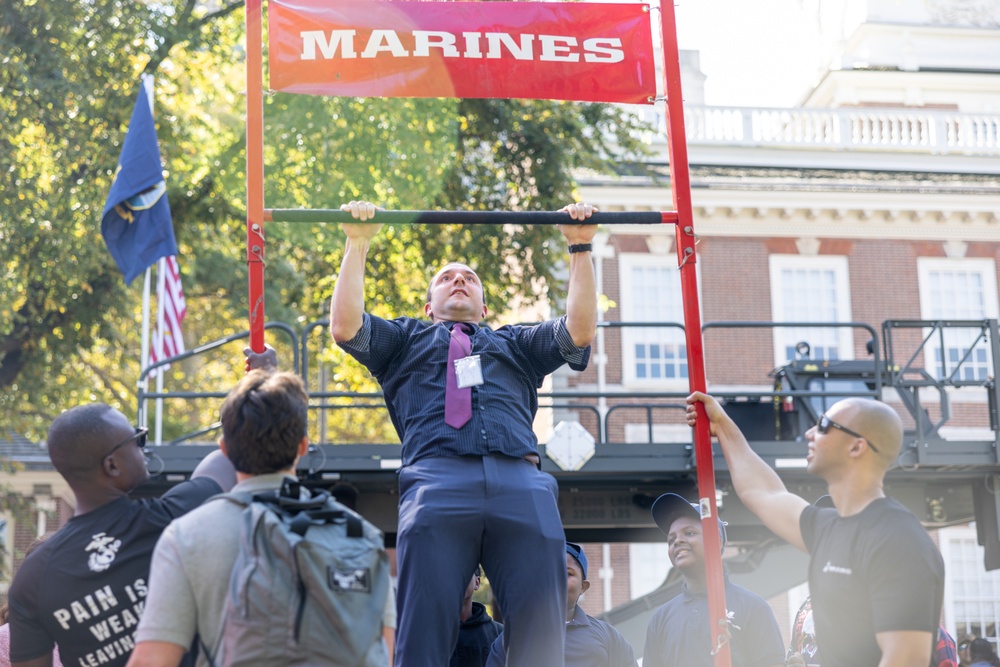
{"x":85,"y":587}
{"x":876,"y":571}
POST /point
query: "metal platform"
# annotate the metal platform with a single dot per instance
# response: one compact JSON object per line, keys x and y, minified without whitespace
{"x":608,"y":498}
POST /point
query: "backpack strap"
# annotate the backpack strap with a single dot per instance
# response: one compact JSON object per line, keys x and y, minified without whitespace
{"x":242,"y":499}
{"x":354,"y":526}
{"x":200,"y":643}
{"x":304,"y":519}
{"x":304,"y":511}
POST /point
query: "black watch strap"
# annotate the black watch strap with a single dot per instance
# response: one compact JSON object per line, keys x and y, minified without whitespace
{"x":581,"y":247}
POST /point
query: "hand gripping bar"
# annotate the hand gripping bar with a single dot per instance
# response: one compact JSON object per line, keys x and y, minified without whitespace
{"x":471,"y":217}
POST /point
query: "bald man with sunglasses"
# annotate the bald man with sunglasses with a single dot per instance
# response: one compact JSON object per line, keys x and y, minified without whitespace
{"x":876,"y":578}
{"x":85,"y":587}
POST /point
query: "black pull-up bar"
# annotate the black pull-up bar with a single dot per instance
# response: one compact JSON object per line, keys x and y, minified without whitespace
{"x":470,"y":217}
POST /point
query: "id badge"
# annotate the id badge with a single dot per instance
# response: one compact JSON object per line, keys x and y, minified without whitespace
{"x":468,"y":371}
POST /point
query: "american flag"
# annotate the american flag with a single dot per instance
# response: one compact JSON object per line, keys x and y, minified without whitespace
{"x":168,"y":341}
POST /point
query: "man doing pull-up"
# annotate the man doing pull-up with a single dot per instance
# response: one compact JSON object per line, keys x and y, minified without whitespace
{"x":462,"y":397}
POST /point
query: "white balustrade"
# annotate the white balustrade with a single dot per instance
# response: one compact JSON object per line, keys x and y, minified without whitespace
{"x":884,"y":129}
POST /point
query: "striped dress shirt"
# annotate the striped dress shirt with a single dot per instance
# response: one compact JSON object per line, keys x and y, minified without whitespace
{"x":409,"y":358}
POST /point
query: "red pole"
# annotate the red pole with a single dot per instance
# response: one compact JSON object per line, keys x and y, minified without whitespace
{"x":255,"y":172}
{"x":680,"y":182}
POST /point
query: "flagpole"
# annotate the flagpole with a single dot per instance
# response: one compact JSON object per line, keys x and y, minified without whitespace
{"x":147,"y":83}
{"x":138,"y":231}
{"x":144,"y":348}
{"x":161,"y":279}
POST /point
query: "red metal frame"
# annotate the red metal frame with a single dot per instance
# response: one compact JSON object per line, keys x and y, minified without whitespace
{"x":680,"y":185}
{"x":255,"y":171}
{"x":681,"y":217}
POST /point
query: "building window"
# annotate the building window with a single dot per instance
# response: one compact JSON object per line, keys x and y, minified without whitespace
{"x":972,"y":595}
{"x":811,"y":289}
{"x":957,"y":289}
{"x":651,"y":292}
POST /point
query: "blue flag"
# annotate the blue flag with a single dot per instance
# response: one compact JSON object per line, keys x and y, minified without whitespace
{"x":136,"y":223}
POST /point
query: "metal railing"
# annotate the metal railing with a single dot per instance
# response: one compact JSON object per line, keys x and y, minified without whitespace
{"x":928,"y":366}
{"x":596,"y":409}
{"x":860,"y":129}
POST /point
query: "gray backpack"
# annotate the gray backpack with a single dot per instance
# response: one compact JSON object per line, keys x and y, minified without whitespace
{"x":309,"y":585}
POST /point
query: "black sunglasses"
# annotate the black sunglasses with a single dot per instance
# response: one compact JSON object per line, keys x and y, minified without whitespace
{"x":140,"y":439}
{"x":825,"y":424}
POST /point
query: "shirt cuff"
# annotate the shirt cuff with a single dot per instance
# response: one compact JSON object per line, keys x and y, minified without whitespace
{"x":362,"y":340}
{"x":576,"y":357}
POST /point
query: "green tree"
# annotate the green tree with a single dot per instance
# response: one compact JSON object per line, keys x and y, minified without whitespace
{"x":67,"y":83}
{"x":69,"y":327}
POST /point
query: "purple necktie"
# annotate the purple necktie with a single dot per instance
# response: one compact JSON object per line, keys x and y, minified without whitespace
{"x":457,"y":402}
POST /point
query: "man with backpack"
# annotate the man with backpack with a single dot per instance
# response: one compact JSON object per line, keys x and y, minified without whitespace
{"x":255,"y":575}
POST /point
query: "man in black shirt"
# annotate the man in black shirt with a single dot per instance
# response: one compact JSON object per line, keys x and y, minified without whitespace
{"x":476,"y":631}
{"x":84,"y":588}
{"x":876,"y":579}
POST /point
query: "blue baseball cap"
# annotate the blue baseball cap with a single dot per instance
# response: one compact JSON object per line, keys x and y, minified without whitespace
{"x":576,"y":551}
{"x":668,"y":507}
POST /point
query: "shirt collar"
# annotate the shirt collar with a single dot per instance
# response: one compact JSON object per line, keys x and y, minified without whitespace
{"x":579,"y":617}
{"x":691,"y":596}
{"x":258,"y":483}
{"x":449,"y":325}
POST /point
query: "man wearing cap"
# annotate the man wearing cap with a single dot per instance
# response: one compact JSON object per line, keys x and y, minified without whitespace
{"x":590,"y":642}
{"x":876,"y":578}
{"x":678,"y":632}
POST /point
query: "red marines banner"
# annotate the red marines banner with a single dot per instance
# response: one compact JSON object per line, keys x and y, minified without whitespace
{"x":529,"y":50}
